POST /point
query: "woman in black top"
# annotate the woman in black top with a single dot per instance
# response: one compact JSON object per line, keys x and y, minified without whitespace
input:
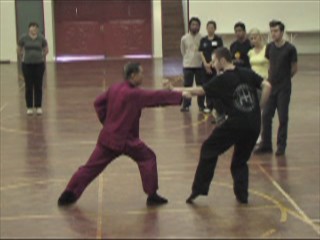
{"x":208,"y":45}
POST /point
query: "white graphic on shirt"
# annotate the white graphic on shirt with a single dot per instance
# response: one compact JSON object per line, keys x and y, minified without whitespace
{"x":243,"y":98}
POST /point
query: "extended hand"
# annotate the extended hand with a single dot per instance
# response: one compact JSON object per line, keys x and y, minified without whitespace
{"x":186,"y":94}
{"x":167,"y":84}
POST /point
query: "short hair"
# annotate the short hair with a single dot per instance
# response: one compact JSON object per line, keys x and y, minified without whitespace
{"x":275,"y":23}
{"x":223,"y":52}
{"x":194,"y":19}
{"x":213,"y":23}
{"x":241,"y":25}
{"x":33,"y":24}
{"x":130,"y":68}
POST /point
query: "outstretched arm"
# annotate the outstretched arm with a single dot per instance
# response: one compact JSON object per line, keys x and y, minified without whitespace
{"x":187,"y":92}
{"x":193,"y":91}
{"x":155,"y":98}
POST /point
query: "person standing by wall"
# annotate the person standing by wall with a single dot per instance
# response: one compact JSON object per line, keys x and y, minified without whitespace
{"x":283,"y":59}
{"x":239,"y":49}
{"x":189,"y":47}
{"x":259,"y":63}
{"x":32,"y":48}
{"x":208,"y":45}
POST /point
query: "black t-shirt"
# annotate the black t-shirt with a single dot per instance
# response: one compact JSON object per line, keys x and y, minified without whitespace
{"x":239,"y":50}
{"x":237,"y":90}
{"x":280,"y":59}
{"x":208,"y":46}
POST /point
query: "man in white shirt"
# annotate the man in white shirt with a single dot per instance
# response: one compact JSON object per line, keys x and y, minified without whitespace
{"x":192,"y":62}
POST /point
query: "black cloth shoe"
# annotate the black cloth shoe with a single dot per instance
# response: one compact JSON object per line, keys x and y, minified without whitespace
{"x":184,"y":109}
{"x":67,"y":198}
{"x":263,"y":150}
{"x":192,"y":197}
{"x":240,"y":196}
{"x":155,"y":199}
{"x":242,"y":200}
{"x":280,"y":152}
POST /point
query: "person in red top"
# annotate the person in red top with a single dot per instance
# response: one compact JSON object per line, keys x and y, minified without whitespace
{"x":119,"y":110}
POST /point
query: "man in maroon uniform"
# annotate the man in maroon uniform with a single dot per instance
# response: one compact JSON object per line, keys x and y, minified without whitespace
{"x":119,"y":110}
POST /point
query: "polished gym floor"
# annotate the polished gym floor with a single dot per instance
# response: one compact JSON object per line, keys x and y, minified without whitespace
{"x":40,"y":153}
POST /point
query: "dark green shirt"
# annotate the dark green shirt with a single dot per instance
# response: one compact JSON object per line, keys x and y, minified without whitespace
{"x":33,"y":48}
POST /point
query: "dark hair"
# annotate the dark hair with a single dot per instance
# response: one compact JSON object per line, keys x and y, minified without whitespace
{"x":223,"y":52}
{"x":33,"y":24}
{"x":275,"y":23}
{"x":213,"y":23}
{"x":130,"y":68}
{"x":241,"y":25}
{"x":195,"y":19}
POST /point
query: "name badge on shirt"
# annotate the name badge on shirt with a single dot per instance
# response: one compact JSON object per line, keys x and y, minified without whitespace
{"x":214,"y":43}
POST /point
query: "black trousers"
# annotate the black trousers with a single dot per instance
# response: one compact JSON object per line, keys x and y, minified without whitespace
{"x":212,"y":103}
{"x":279,"y":100}
{"x":189,"y":74}
{"x":221,"y":139}
{"x":33,"y":77}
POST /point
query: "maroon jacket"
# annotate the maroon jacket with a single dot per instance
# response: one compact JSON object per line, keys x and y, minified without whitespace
{"x":119,"y":110}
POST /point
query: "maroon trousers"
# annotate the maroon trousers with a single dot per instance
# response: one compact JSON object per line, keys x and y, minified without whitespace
{"x":102,"y":156}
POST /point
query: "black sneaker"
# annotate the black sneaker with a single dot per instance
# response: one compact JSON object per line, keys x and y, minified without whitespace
{"x":155,"y":199}
{"x":67,"y":198}
{"x":184,"y":109}
{"x":280,"y":152}
{"x":263,"y":150}
{"x":192,"y":197}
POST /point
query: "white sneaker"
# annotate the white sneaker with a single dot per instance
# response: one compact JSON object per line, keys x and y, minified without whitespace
{"x":39,"y":111}
{"x":29,"y":111}
{"x":204,"y":110}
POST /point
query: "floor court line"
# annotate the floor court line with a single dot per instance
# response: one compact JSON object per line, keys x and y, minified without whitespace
{"x":99,"y":217}
{"x":3,"y":107}
{"x":287,"y":196}
{"x":100,"y":186}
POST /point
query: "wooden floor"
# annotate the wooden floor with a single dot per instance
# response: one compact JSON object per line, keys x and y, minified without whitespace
{"x":40,"y":153}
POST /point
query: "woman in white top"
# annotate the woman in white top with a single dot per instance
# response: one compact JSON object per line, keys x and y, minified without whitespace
{"x":259,"y":63}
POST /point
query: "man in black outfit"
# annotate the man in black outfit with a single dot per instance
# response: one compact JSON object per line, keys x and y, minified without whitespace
{"x":236,"y":87}
{"x":239,"y":49}
{"x":208,"y":45}
{"x":283,"y":66}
